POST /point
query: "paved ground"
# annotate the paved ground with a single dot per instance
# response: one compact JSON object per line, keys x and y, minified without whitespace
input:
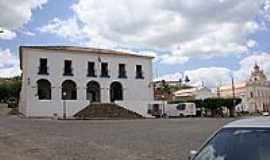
{"x":25,"y":139}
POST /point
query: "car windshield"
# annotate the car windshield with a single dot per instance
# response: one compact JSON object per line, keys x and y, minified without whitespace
{"x":238,"y":144}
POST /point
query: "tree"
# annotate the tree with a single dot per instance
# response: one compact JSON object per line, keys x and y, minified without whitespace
{"x":213,"y":104}
{"x":165,"y":88}
{"x":10,"y":88}
{"x":187,"y":79}
{"x":3,"y":92}
{"x":217,"y":103}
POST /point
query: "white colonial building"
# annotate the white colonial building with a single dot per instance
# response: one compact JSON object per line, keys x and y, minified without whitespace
{"x":76,"y":76}
{"x":255,"y":92}
{"x":193,"y":93}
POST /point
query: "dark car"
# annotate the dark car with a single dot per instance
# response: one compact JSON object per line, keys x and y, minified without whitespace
{"x":12,"y":102}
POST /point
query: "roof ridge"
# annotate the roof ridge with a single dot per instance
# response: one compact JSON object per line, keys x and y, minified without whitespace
{"x":84,"y":49}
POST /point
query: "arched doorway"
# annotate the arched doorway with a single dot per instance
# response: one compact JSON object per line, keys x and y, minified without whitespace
{"x":44,"y":89}
{"x":69,"y":90}
{"x":93,"y":91}
{"x":116,"y":91}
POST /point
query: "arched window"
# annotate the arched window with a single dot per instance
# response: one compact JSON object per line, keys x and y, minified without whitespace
{"x":116,"y":91}
{"x":44,"y":89}
{"x":93,"y":91}
{"x":69,"y":90}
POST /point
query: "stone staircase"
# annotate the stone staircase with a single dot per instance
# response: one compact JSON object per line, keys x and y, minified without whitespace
{"x":106,"y":111}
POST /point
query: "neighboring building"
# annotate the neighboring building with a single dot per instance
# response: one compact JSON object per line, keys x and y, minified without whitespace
{"x":193,"y":93}
{"x":76,"y":76}
{"x":159,"y":94}
{"x":163,"y":90}
{"x":159,"y":84}
{"x":255,"y":92}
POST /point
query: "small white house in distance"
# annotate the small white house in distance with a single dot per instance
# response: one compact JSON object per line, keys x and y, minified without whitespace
{"x":193,"y":93}
{"x":52,"y":75}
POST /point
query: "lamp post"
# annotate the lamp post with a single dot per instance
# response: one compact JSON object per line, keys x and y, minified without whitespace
{"x":64,"y":106}
{"x":163,"y":107}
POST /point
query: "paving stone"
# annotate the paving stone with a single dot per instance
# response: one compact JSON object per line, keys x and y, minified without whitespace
{"x":151,"y":139}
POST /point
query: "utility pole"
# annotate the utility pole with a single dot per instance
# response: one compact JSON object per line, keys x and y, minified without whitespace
{"x":233,"y":88}
{"x":218,"y":92}
{"x":233,"y":95}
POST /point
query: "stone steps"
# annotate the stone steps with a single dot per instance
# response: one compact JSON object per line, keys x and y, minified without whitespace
{"x":106,"y":111}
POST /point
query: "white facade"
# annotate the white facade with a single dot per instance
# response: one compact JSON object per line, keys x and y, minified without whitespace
{"x":134,"y":89}
{"x":193,"y":93}
{"x":255,"y":92}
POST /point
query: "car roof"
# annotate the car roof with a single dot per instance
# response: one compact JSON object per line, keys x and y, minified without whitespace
{"x":258,"y":122}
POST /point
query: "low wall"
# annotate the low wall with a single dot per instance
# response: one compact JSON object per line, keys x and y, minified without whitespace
{"x":139,"y":107}
{"x":3,"y":105}
{"x":4,"y":110}
{"x":49,"y":108}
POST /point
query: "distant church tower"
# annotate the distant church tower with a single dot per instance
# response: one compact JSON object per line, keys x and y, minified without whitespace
{"x":257,"y":74}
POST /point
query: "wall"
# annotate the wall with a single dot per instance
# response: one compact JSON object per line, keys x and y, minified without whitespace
{"x":134,"y":89}
{"x":4,"y":110}
{"x":139,"y":107}
{"x":261,"y":98}
{"x":204,"y":93}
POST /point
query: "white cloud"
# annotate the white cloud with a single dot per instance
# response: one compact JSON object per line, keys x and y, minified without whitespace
{"x":150,"y":53}
{"x":246,"y":65}
{"x":144,"y":53}
{"x":251,"y":43}
{"x":9,"y":64}
{"x":173,"y":59}
{"x":251,"y":26}
{"x":28,"y":33}
{"x":170,"y":77}
{"x":7,"y":34}
{"x":265,"y":12}
{"x":10,"y":72}
{"x":184,"y":28}
{"x":66,"y":28}
{"x":213,"y":76}
{"x":16,"y":13}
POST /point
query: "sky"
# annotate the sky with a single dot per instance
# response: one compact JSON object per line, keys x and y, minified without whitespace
{"x":210,"y":41}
